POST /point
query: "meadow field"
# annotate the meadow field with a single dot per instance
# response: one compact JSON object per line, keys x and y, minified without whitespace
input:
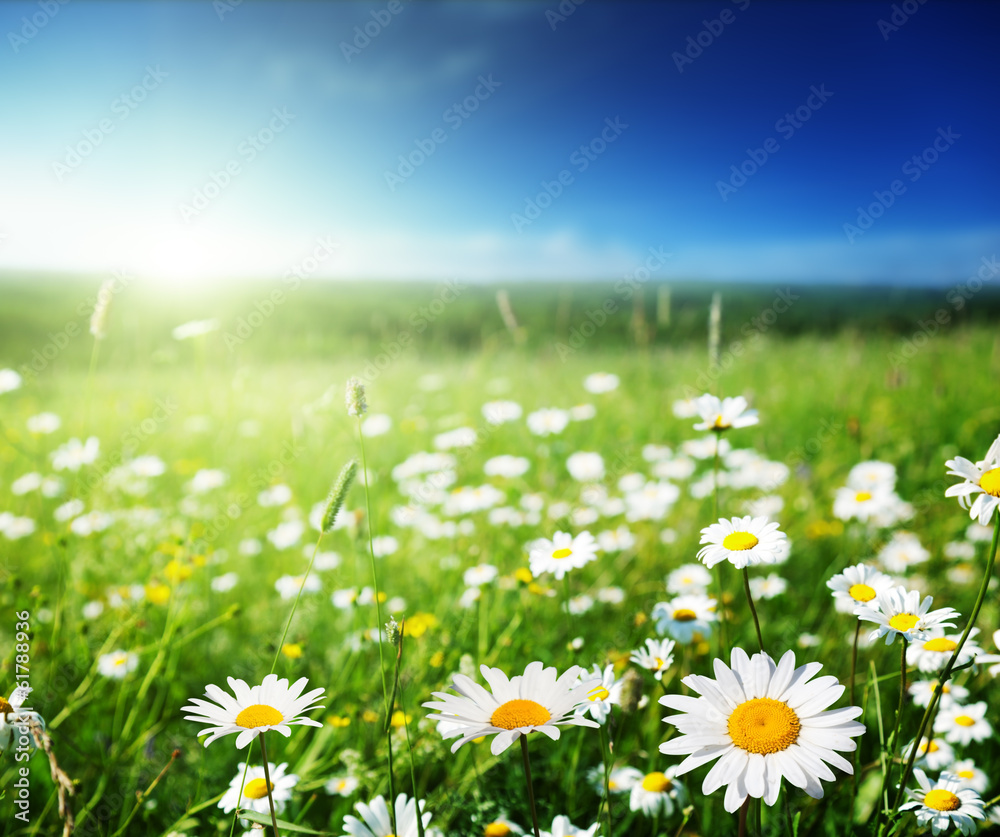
{"x":164,"y":549}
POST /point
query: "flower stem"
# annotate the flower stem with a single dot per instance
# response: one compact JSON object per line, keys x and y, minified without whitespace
{"x":854,"y":662}
{"x":371,"y":550}
{"x":605,"y":754}
{"x":267,"y":784}
{"x":378,"y":626}
{"x":295,"y":604}
{"x":723,"y":645}
{"x":753,"y":610}
{"x":946,"y":672}
{"x":527,"y":779}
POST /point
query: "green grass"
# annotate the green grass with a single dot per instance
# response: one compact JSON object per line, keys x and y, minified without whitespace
{"x":829,"y":397}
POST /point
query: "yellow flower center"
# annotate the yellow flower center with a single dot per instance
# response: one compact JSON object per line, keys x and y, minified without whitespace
{"x":5,"y":707}
{"x":656,"y":783}
{"x":990,"y":482}
{"x":718,"y":424}
{"x":763,"y":725}
{"x":903,"y":621}
{"x":559,"y":554}
{"x":496,"y":829}
{"x":862,"y":496}
{"x":942,"y":800}
{"x":256,"y":789}
{"x":259,"y":715}
{"x":966,"y":774}
{"x":940,"y":644}
{"x":684,"y":615}
{"x":518,"y":713}
{"x":598,"y":693}
{"x":861,"y":593}
{"x":931,"y":748}
{"x":965,"y":721}
{"x":738,"y":541}
{"x":657,"y":664}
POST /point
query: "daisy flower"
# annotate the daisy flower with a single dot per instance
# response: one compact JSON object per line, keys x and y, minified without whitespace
{"x":743,"y":541}
{"x":722,"y":415}
{"x":255,"y":789}
{"x":934,"y":754}
{"x":922,"y":690}
{"x":944,"y":804}
{"x":768,"y":587}
{"x":599,"y":382}
{"x":970,"y":776}
{"x":685,"y":616}
{"x":539,"y":700}
{"x":117,"y":664}
{"x":500,"y":412}
{"x":620,"y":780}
{"x":982,"y":478}
{"x":585,"y":466}
{"x":658,"y":793}
{"x":255,"y":710}
{"x":763,"y":722}
{"x":375,"y":820}
{"x":547,"y":421}
{"x":857,"y":585}
{"x":656,"y":657}
{"x":689,"y":578}
{"x":562,"y":554}
{"x":9,"y":380}
{"x":15,"y":722}
{"x":862,"y":504}
{"x":933,"y":653}
{"x":605,"y":693}
{"x":342,"y":785}
{"x":963,"y":724}
{"x":902,"y":552}
{"x":872,"y":475}
{"x":900,"y":612}
{"x":501,"y":827}
{"x":562,"y":827}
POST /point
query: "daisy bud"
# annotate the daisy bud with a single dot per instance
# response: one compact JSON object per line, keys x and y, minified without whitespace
{"x":356,"y":404}
{"x":337,"y":494}
{"x":99,"y":319}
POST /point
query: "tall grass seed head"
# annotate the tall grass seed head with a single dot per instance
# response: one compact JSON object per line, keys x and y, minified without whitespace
{"x":99,"y":318}
{"x":356,"y":404}
{"x":338,"y":493}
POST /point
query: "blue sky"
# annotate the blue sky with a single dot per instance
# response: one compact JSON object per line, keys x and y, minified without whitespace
{"x":193,"y":140}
